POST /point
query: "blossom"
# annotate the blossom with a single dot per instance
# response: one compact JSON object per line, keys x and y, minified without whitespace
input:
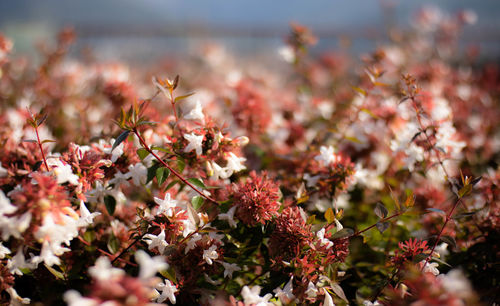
{"x":311,"y":290}
{"x":168,"y":291}
{"x":156,"y":241}
{"x":3,"y":171}
{"x":256,"y":200}
{"x":86,"y":218}
{"x":116,"y":153}
{"x":166,"y":205}
{"x":285,"y":295}
{"x":196,"y":113}
{"x":251,"y":296}
{"x":328,"y":299}
{"x":3,"y":251}
{"x":234,"y":164}
{"x":430,"y":267}
{"x":229,"y":217}
{"x":321,"y":236}
{"x":229,"y":269}
{"x":104,"y":271}
{"x":139,"y":173}
{"x":327,"y":155}
{"x":149,"y":266}
{"x":18,"y":262}
{"x":195,"y":143}
{"x":210,"y":254}
{"x":63,"y":171}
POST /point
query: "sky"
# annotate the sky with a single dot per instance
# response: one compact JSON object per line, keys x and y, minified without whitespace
{"x":29,"y":20}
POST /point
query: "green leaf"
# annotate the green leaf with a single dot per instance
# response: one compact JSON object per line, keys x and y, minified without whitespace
{"x":197,"y":202}
{"x":181,"y":165}
{"x":197,"y":182}
{"x":110,"y":203}
{"x":465,"y":190}
{"x":420,"y":257}
{"x":183,"y":97}
{"x":162,"y":174}
{"x":464,"y":215}
{"x":113,"y":244}
{"x":54,"y":272}
{"x":152,"y":172}
{"x":171,"y":185}
{"x":155,"y":148}
{"x":449,"y":241}
{"x":345,"y":232}
{"x":48,"y":140}
{"x":380,"y":210}
{"x":143,"y":153}
{"x":120,"y":139}
{"x":89,"y":236}
{"x":360,"y":90}
{"x":329,"y":215}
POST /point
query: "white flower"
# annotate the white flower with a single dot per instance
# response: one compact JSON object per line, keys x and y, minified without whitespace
{"x":455,"y":282}
{"x":251,"y":296}
{"x":234,"y":164}
{"x":154,"y":241}
{"x":168,"y":291}
{"x":328,"y":299}
{"x":287,"y":54}
{"x":139,"y":173}
{"x":3,"y":171}
{"x":196,"y":113}
{"x":120,"y":178}
{"x":210,"y":254}
{"x":74,"y":298}
{"x":321,"y":236}
{"x":117,"y":152}
{"x":311,"y":290}
{"x":285,"y":295}
{"x":229,"y":268}
{"x":15,"y":299}
{"x":311,"y":181}
{"x":149,"y":266}
{"x":63,"y":171}
{"x":369,"y":303}
{"x":195,"y":143}
{"x":191,"y":244}
{"x":86,"y":218}
{"x":166,"y":205}
{"x":3,"y":251}
{"x":104,"y":271}
{"x":18,"y":262}
{"x":229,"y":216}
{"x":327,"y":155}
{"x":431,"y":267}
{"x":218,"y":171}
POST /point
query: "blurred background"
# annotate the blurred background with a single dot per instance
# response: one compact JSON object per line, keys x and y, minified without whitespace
{"x":147,"y":29}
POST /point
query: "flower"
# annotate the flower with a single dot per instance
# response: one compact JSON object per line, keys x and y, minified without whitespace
{"x":196,"y":113}
{"x":251,"y":296}
{"x":168,"y":291}
{"x":166,"y":205}
{"x":86,"y":218}
{"x":311,"y":290}
{"x":234,"y":164}
{"x":328,"y":299}
{"x":139,"y":173}
{"x":104,"y":271}
{"x":327,"y":155}
{"x":430,"y":267}
{"x":256,"y":200}
{"x":195,"y":143}
{"x":149,"y":266}
{"x":3,"y":171}
{"x":285,"y":295}
{"x":229,"y":217}
{"x":154,"y":241}
{"x":229,"y":269}
{"x":210,"y":254}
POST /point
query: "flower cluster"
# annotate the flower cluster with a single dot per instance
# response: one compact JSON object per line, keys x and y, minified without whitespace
{"x":332,"y":180}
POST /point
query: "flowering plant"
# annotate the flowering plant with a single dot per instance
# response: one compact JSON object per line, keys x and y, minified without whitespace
{"x":257,"y":189}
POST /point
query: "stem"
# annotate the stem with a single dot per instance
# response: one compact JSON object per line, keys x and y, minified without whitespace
{"x":41,"y":149}
{"x":126,"y":249}
{"x":448,"y":218}
{"x":179,"y":176}
{"x":107,"y":253}
{"x":172,"y":101}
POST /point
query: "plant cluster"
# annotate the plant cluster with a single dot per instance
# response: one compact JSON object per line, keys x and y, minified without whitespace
{"x":329,"y":181}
